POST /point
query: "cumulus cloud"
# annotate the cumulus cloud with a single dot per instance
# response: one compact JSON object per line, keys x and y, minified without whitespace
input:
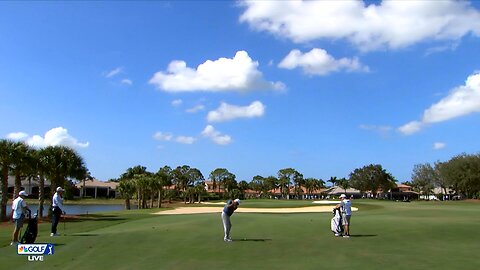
{"x":161,"y":136}
{"x":185,"y":139}
{"x":462,"y":100}
{"x":53,"y":137}
{"x":439,"y":145}
{"x":319,"y":62}
{"x":17,"y":136}
{"x":216,"y":136}
{"x":195,"y":109}
{"x":228,"y":112}
{"x":239,"y":73}
{"x":389,"y":24}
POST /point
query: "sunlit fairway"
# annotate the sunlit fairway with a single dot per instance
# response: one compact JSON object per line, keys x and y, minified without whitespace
{"x":385,"y":235}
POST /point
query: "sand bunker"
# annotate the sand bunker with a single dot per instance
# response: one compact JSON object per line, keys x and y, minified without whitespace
{"x":204,"y":210}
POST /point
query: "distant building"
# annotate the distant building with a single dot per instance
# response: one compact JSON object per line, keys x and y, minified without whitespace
{"x":97,"y":189}
{"x":30,"y":186}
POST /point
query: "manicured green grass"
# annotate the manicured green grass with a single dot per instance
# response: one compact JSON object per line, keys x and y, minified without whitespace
{"x":385,"y":235}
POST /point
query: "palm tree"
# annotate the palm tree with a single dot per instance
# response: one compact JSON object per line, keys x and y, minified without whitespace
{"x":127,"y":190}
{"x":130,"y":188}
{"x":343,"y":183}
{"x":22,"y":164}
{"x":333,"y":180}
{"x":7,"y":148}
{"x":164,"y":177}
{"x":62,"y":162}
{"x":298,"y":182}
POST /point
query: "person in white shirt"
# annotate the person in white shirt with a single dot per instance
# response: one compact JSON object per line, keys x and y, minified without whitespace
{"x":19,"y":206}
{"x":57,"y":205}
{"x":346,"y":209}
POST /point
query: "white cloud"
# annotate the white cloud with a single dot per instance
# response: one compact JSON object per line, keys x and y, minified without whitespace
{"x":53,"y":137}
{"x":177,"y":102}
{"x":228,"y":112}
{"x":126,"y":81}
{"x":239,"y":73}
{"x":439,"y":145}
{"x":167,"y":136}
{"x":196,"y":109}
{"x":462,"y":100}
{"x":160,"y":136}
{"x":112,"y":73}
{"x":390,"y":24}
{"x":216,"y":136}
{"x":17,"y":136}
{"x":411,"y":128}
{"x":185,"y":139}
{"x":319,"y":62}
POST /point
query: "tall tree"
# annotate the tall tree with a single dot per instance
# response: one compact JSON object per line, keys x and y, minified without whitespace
{"x":257,"y":184}
{"x":7,"y":149}
{"x":423,"y":178}
{"x":22,"y":164}
{"x":333,"y":180}
{"x":462,"y":172}
{"x":218,"y":177}
{"x":127,"y":183}
{"x":62,"y":162}
{"x":298,"y":182}
{"x":164,"y":176}
{"x":286,"y":177}
{"x":371,"y":178}
{"x":127,"y":189}
{"x":343,"y":183}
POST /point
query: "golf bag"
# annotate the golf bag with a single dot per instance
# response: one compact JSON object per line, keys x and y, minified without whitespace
{"x":31,"y":231}
{"x":336,"y":223}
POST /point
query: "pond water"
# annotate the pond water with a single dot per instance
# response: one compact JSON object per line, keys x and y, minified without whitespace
{"x":79,"y":209}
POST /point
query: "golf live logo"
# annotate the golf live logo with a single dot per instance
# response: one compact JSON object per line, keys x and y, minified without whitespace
{"x":35,"y":252}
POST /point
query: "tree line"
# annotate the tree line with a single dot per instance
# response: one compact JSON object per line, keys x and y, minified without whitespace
{"x":55,"y":163}
{"x":61,"y":164}
{"x":459,"y":175}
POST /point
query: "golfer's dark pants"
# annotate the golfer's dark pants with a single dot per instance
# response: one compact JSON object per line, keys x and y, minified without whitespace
{"x":57,"y":213}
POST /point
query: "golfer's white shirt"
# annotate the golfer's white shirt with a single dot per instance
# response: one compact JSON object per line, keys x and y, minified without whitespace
{"x":57,"y":201}
{"x":17,"y":207}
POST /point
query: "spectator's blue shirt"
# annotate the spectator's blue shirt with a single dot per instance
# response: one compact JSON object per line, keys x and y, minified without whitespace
{"x":229,"y":208}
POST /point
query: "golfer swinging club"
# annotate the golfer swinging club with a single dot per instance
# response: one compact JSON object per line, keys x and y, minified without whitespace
{"x":228,"y":210}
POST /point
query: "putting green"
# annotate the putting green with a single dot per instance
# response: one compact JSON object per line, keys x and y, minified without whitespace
{"x":390,"y":235}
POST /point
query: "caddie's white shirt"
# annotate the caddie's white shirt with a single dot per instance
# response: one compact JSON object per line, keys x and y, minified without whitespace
{"x":17,"y":207}
{"x":57,"y":201}
{"x":347,"y":207}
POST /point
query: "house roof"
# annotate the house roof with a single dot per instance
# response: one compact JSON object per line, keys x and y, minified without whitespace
{"x":97,"y":183}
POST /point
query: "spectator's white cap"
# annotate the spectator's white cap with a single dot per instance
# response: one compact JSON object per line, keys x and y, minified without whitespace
{"x":60,"y":189}
{"x":23,"y":193}
{"x":237,"y":201}
{"x":343,"y":196}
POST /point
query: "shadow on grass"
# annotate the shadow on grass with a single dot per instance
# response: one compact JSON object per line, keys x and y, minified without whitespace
{"x":363,"y":235}
{"x":94,"y":217}
{"x":252,"y":240}
{"x":84,"y":234}
{"x":56,"y":245}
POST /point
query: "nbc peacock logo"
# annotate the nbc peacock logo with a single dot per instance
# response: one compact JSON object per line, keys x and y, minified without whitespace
{"x":21,"y":249}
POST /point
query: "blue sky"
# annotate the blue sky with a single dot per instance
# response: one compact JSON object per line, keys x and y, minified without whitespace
{"x":321,"y":86}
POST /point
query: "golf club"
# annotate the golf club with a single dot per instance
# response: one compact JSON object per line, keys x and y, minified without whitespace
{"x":64,"y":226}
